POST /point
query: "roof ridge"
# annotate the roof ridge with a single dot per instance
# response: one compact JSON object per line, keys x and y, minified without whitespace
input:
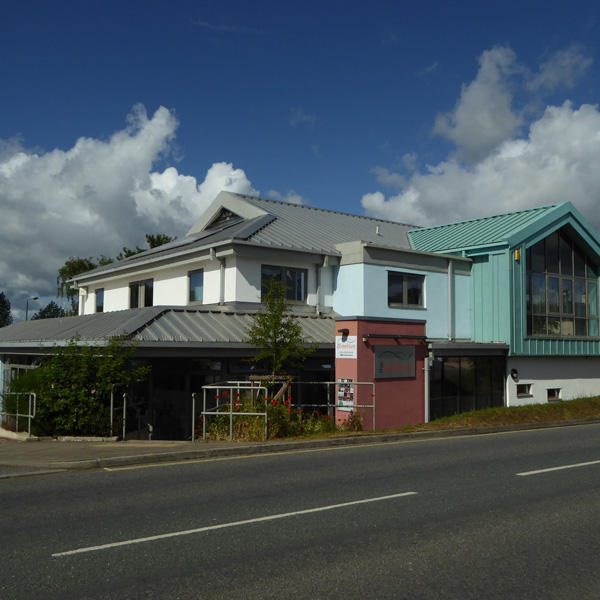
{"x":489,"y":217}
{"x":316,"y":208}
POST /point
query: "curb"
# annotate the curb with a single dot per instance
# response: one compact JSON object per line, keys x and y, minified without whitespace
{"x":277,"y":447}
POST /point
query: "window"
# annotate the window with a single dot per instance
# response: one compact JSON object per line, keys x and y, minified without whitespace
{"x":196,"y":280}
{"x":100,"y":300}
{"x":554,"y":394}
{"x":524,"y":390}
{"x":562,"y":289}
{"x":141,"y":293}
{"x":405,"y":289}
{"x":293,"y":279}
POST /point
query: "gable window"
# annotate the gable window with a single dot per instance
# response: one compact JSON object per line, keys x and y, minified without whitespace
{"x":293,"y":279}
{"x":561,"y":289}
{"x":141,"y":293}
{"x":405,"y":289}
{"x":100,"y":300}
{"x":196,"y":281}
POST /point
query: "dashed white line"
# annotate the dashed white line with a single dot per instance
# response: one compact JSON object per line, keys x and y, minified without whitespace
{"x":574,"y":466}
{"x":225,"y":525}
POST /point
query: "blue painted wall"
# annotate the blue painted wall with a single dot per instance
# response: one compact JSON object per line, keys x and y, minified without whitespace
{"x":361,"y":290}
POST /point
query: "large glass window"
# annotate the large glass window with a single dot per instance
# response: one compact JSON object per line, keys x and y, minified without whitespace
{"x":562,"y":288}
{"x":405,"y":289}
{"x":293,"y":279}
{"x":141,"y":293}
{"x":196,"y":281}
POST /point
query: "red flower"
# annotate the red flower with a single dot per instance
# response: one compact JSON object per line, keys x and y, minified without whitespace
{"x":224,"y":394}
{"x":202,"y":418}
{"x":290,"y":410}
{"x":298,"y":412}
{"x":289,"y":397}
{"x":274,"y":402}
{"x":245,"y":426}
{"x":285,"y":402}
{"x":217,"y":397}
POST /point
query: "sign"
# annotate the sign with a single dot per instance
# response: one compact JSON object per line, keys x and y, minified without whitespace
{"x":345,"y":346}
{"x":393,"y":362}
{"x":345,"y":394}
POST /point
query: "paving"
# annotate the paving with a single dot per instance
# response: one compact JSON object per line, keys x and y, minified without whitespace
{"x":47,"y":455}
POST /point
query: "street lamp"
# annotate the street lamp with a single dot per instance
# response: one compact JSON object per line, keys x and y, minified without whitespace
{"x":27,"y":305}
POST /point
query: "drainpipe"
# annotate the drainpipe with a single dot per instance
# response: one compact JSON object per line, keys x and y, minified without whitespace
{"x":450,"y":300}
{"x":318,"y":303}
{"x":222,"y":281}
{"x":426,"y":373}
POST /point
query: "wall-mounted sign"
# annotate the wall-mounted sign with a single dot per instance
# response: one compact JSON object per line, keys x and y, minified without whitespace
{"x":394,"y":361}
{"x":345,"y":346}
{"x":345,"y":394}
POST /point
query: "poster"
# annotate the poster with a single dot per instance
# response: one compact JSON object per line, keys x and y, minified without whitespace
{"x":345,"y":394}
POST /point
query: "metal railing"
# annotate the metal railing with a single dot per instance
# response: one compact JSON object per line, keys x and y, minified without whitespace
{"x":31,"y":409}
{"x":233,"y":387}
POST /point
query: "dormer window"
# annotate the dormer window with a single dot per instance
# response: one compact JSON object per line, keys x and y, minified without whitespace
{"x":224,"y":216}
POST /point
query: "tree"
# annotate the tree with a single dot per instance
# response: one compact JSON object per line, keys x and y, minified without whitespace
{"x":5,"y":314}
{"x":73,"y":386}
{"x":50,"y":311}
{"x":276,"y":333}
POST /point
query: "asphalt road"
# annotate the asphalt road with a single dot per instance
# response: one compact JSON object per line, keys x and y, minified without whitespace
{"x":456,"y":518}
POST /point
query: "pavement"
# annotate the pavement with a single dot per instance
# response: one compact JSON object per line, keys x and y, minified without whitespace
{"x":39,"y":456}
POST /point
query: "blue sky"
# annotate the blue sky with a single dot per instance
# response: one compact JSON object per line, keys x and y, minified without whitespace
{"x":125,"y":118}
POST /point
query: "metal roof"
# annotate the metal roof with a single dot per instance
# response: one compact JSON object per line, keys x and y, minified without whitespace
{"x":485,"y":231}
{"x":158,"y":326}
{"x":280,"y":225}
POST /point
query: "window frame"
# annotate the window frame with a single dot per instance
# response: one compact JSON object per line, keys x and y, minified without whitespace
{"x":142,"y":287}
{"x":561,"y":289}
{"x":282,"y":278}
{"x":190,"y":275}
{"x":406,"y":289}
{"x":99,"y":305}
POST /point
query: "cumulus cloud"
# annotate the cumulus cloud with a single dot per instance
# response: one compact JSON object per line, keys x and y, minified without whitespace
{"x":95,"y":198}
{"x":483,"y":116}
{"x":556,"y":162}
{"x":498,"y":167}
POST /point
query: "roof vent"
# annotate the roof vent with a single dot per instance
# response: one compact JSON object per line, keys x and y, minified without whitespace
{"x":377,"y":230}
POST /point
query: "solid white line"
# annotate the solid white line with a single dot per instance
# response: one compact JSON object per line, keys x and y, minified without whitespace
{"x":234,"y":524}
{"x":585,"y":464}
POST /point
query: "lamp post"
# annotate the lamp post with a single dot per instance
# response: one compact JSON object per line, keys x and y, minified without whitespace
{"x":27,"y":305}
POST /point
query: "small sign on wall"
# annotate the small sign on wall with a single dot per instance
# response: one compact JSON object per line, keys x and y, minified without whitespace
{"x":345,"y":394}
{"x":345,"y":346}
{"x":393,"y":362}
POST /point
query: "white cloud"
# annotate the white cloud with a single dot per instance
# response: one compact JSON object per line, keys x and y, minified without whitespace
{"x":556,"y":162}
{"x":93,"y":199}
{"x":563,"y":68}
{"x":300,"y":117}
{"x":483,"y":116}
{"x":292,"y":196}
{"x":493,"y":169}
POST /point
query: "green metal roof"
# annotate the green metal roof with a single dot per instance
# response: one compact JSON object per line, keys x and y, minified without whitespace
{"x":486,"y":231}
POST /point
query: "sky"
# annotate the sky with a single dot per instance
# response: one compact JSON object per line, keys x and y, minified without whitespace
{"x":120,"y":119}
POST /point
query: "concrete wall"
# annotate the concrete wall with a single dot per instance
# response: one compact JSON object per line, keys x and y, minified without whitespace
{"x":576,"y":377}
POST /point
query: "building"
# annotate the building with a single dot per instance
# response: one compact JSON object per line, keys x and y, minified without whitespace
{"x":488,"y":312}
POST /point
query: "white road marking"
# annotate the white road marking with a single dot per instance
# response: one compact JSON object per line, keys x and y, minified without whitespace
{"x":234,"y":524}
{"x":585,"y":464}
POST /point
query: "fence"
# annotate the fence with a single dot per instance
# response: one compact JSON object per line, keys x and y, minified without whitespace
{"x":224,"y":392}
{"x":18,"y":400}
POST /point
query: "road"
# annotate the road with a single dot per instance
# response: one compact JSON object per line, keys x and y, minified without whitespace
{"x":489,"y":516}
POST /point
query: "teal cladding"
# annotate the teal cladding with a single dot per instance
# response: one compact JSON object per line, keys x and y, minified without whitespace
{"x":490,"y":298}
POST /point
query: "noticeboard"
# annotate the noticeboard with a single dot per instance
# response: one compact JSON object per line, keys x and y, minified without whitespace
{"x":392,"y":362}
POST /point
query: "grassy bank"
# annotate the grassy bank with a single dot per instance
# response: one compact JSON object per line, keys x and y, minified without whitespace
{"x":571,"y":410}
{"x":583,"y":408}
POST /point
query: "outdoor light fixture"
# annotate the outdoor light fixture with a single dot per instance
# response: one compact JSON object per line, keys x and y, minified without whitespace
{"x":514,"y":374}
{"x":27,"y":305}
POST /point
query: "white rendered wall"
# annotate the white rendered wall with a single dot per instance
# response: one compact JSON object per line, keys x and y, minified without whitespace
{"x":577,"y":377}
